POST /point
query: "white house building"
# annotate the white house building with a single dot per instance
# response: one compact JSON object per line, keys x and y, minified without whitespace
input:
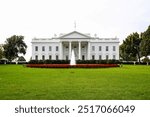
{"x":85,"y":47}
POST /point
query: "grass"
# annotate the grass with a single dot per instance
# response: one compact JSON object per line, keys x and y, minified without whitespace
{"x":128,"y":82}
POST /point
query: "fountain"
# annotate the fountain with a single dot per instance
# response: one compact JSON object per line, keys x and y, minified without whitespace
{"x":72,"y":61}
{"x":72,"y":64}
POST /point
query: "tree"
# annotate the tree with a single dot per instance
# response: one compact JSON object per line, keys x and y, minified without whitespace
{"x":14,"y":46}
{"x":1,"y":52}
{"x":147,"y":60}
{"x":136,"y":45}
{"x":124,"y":48}
{"x":145,"y":44}
{"x":130,"y":49}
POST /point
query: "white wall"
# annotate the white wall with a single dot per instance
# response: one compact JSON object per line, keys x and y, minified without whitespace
{"x":53,"y":53}
{"x":96,"y":53}
{"x":103,"y":51}
{"x":96,"y":42}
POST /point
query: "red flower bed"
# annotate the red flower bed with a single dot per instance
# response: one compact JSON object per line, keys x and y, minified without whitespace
{"x":72,"y":66}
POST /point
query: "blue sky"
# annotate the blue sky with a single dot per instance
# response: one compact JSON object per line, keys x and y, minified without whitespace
{"x":44,"y":18}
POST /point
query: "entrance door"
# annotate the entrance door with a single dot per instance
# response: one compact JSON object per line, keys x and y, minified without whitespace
{"x":83,"y":57}
{"x":66,"y":57}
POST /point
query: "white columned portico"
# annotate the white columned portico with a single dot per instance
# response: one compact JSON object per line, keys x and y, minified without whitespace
{"x":79,"y":50}
{"x":70,"y":50}
{"x":89,"y":45}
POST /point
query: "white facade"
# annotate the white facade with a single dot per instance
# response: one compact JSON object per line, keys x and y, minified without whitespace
{"x":85,"y":47}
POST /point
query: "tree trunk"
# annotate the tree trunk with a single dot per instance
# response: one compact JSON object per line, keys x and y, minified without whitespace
{"x":139,"y":58}
{"x":138,"y":55}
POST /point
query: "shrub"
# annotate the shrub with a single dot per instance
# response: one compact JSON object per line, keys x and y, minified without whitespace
{"x":72,"y":66}
{"x":77,"y":61}
{"x":49,"y":62}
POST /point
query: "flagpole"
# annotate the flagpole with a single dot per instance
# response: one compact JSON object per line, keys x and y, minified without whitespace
{"x":75,"y":25}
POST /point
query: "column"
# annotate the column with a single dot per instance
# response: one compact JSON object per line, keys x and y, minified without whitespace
{"x":89,"y":50}
{"x":60,"y":51}
{"x":79,"y":50}
{"x":69,"y":50}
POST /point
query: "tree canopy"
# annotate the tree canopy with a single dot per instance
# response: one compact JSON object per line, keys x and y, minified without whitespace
{"x":145,"y":44}
{"x":1,"y":52}
{"x":135,"y":46}
{"x":13,"y":46}
{"x":129,"y":50}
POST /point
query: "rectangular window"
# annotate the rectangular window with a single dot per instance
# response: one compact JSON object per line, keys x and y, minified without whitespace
{"x":83,"y":57}
{"x":66,"y":57}
{"x":66,"y":48}
{"x":83,"y":48}
{"x":114,"y":48}
{"x":93,"y":48}
{"x":107,"y":49}
{"x":107,"y":57}
{"x":43,"y":48}
{"x":50,"y":48}
{"x":36,"y":57}
{"x":56,"y":48}
{"x":100,"y":57}
{"x":93,"y":57}
{"x":100,"y":48}
{"x":50,"y":57}
{"x":114,"y":57}
{"x":57,"y":57}
{"x":36,"y":48}
{"x":43,"y":57}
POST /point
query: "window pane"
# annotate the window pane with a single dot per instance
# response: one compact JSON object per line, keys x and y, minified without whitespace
{"x":114,"y":56}
{"x":93,"y":48}
{"x":100,"y":48}
{"x":107,"y":48}
{"x":43,"y":48}
{"x":56,"y":57}
{"x":36,"y":48}
{"x":114,"y":48}
{"x":83,"y":58}
{"x":100,"y":57}
{"x":36,"y":57}
{"x":93,"y":57}
{"x":50,"y":57}
{"x":107,"y":57}
{"x":66,"y":57}
{"x":56,"y":48}
{"x":43,"y":57}
{"x":50,"y":48}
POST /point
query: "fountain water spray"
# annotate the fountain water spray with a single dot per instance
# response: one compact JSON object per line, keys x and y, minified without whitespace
{"x":72,"y":61}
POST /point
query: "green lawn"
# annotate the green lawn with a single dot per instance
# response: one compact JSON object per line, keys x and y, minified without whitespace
{"x":128,"y":82}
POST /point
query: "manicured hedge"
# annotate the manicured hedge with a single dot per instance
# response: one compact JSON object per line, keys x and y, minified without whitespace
{"x":98,"y":61}
{"x":77,"y":61}
{"x":72,"y":66}
{"x":49,"y":62}
{"x":132,"y":63}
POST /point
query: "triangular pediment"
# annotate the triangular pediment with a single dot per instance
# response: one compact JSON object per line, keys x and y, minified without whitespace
{"x":75,"y":35}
